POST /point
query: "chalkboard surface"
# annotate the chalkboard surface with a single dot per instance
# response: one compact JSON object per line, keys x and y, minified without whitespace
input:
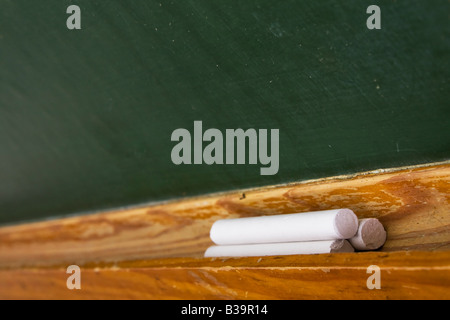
{"x":86,"y":116}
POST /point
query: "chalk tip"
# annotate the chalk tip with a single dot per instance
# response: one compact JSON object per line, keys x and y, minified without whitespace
{"x":346,"y":224}
{"x":341,"y":246}
{"x":371,"y":235}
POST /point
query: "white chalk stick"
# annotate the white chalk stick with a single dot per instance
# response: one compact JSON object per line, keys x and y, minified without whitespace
{"x":306,"y":226}
{"x":276,"y":249}
{"x":370,"y":236}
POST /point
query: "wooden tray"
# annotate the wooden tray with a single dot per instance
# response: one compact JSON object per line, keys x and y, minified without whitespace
{"x":155,"y":251}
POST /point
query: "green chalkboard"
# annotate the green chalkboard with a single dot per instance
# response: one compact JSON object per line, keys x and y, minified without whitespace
{"x":86,"y":116}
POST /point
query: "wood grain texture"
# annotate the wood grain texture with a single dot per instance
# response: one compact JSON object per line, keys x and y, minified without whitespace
{"x":412,"y":204}
{"x":404,"y":275}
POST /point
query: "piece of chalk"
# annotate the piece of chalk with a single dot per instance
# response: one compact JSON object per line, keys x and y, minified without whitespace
{"x":370,"y":236}
{"x":307,"y":226}
{"x":277,"y":249}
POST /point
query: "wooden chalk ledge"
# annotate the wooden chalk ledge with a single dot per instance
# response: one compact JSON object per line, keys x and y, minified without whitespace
{"x":156,"y":252}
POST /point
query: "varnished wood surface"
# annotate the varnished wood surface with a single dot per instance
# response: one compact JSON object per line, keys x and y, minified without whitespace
{"x":155,"y":252}
{"x":412,"y":204}
{"x":404,"y":275}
